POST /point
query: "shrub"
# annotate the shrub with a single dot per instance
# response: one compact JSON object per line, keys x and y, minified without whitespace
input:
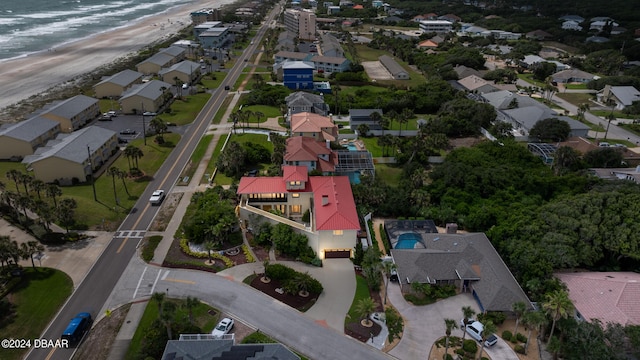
{"x":280,"y":272}
{"x":460,"y":352}
{"x":449,"y":357}
{"x":521,"y":338}
{"x":514,"y":340}
{"x":184,"y":245}
{"x":316,"y":262}
{"x":496,"y":317}
{"x":506,"y":335}
{"x":470,"y":346}
{"x":247,"y":254}
{"x":519,"y":349}
{"x":149,"y":247}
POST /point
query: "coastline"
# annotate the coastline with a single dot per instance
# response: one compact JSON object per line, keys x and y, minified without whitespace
{"x":27,"y":76}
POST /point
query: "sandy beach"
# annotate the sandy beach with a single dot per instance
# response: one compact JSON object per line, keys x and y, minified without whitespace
{"x":31,"y":75}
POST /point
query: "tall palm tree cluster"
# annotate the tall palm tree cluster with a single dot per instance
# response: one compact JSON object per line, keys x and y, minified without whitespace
{"x":11,"y":252}
{"x":243,"y":118}
{"x":33,"y":198}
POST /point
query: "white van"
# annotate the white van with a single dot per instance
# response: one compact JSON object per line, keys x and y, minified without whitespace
{"x":475,"y":330}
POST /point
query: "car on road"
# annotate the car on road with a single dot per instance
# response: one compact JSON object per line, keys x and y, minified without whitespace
{"x":127,"y":132}
{"x":491,"y":340}
{"x":149,"y":113}
{"x":227,"y":87}
{"x":112,"y":113}
{"x":105,"y":117}
{"x":157,"y":197}
{"x":122,"y":141}
{"x":224,"y":326}
{"x":77,"y":327}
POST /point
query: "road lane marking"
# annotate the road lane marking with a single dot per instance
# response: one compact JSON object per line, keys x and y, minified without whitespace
{"x":155,"y":282}
{"x":180,"y":281}
{"x":139,"y":282}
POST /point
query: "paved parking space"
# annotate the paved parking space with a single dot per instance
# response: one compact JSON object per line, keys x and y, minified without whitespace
{"x":375,"y":70}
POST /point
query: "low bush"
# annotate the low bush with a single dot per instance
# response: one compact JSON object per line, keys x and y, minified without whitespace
{"x":247,"y":254}
{"x":507,"y":335}
{"x":496,"y":317}
{"x":514,"y":339}
{"x":521,"y":338}
{"x":519,"y":349}
{"x":470,"y":346}
{"x":280,"y":272}
{"x":149,"y":247}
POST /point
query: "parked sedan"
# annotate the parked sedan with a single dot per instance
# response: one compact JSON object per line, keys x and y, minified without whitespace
{"x":224,"y":326}
{"x":128,"y":132}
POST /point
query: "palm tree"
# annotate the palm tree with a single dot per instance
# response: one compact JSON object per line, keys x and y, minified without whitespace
{"x":377,"y":118}
{"x":24,"y":202}
{"x":158,"y":297}
{"x":159,"y":127}
{"x":210,"y":245}
{"x":532,"y":320}
{"x":25,"y":179}
{"x":467,"y":313}
{"x":301,"y":283}
{"x":133,"y":152}
{"x":449,"y":324}
{"x":558,"y":306}
{"x":53,"y":191}
{"x":489,"y":329}
{"x":364,"y":308}
{"x":38,"y":186}
{"x":14,"y":175}
{"x":122,"y":175}
{"x":259,"y":115}
{"x":518,"y":309}
{"x":582,"y":109}
{"x":265,"y":278}
{"x":66,"y":212}
{"x":190,"y":303}
{"x":166,"y":317}
{"x":29,"y":248}
{"x":388,"y":267}
{"x":113,"y":171}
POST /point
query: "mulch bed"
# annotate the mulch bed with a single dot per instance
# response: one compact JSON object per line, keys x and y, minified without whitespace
{"x":357,"y":331}
{"x":295,"y":301}
{"x":262,"y":253}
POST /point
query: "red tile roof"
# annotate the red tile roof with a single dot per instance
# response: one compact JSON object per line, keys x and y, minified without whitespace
{"x":309,"y":122}
{"x":301,"y":148}
{"x":358,"y":7}
{"x":606,"y":296}
{"x":261,"y":185}
{"x":339,"y":213}
{"x":295,"y":173}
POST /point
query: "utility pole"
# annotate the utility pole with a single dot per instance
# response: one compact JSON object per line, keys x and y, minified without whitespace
{"x":93,"y":182}
{"x":144,"y":128}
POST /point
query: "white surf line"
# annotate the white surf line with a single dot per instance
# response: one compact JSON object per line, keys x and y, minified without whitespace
{"x":139,"y":282}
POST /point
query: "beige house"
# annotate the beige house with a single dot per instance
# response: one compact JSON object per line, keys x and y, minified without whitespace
{"x":144,"y":97}
{"x":73,"y":113}
{"x":314,"y":126}
{"x":156,"y":62}
{"x":114,"y":86}
{"x":72,"y":157}
{"x":186,"y":71}
{"x":22,"y":139}
{"x":333,"y":221}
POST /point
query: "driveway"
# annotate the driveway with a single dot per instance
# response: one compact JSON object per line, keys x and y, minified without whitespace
{"x":423,"y":325}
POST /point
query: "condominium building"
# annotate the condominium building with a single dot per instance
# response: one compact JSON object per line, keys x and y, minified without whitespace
{"x":301,"y":22}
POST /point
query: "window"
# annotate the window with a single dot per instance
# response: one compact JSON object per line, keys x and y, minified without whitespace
{"x":295,"y":195}
{"x":338,"y":232}
{"x":295,"y":209}
{"x":294,"y":183}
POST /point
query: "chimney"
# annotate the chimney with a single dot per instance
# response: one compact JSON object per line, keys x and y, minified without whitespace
{"x":325,"y":200}
{"x":452,"y":228}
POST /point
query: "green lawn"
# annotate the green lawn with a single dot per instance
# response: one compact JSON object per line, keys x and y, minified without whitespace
{"x":267,"y":111}
{"x":576,"y":86}
{"x":37,"y":299}
{"x":93,"y":213}
{"x":617,"y":114}
{"x":222,"y":179}
{"x":390,"y":174}
{"x":412,"y":124}
{"x":201,"y":318}
{"x":575,"y":98}
{"x":369,"y":54}
{"x":362,"y":292}
{"x":371,"y":144}
{"x":214,"y":157}
{"x":196,"y":157}
{"x":184,"y":111}
{"x":209,"y":83}
{"x":225,"y":104}
{"x":529,"y":78}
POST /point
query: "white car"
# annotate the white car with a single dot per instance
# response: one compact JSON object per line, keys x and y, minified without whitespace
{"x":157,"y":197}
{"x":224,"y":326}
{"x":185,"y":86}
{"x":474,"y":329}
{"x":112,"y":113}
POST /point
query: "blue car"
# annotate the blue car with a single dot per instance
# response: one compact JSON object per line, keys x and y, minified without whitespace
{"x":77,"y":327}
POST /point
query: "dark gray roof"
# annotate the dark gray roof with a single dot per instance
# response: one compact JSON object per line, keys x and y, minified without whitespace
{"x":212,"y":349}
{"x":173,"y":50}
{"x":291,"y":55}
{"x":29,"y":129}
{"x":329,"y":59}
{"x":394,"y":68}
{"x":123,"y":78}
{"x":301,"y":97}
{"x":150,"y":90}
{"x":467,"y":256}
{"x":464,"y":71}
{"x":626,"y":94}
{"x":188,"y":67}
{"x":364,"y":112}
{"x":160,"y":59}
{"x":73,"y":146}
{"x":71,"y":107}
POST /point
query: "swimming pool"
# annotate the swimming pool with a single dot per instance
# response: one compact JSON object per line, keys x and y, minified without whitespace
{"x":352,"y":147}
{"x":408,"y":241}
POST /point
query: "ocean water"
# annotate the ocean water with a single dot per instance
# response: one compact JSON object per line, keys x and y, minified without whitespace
{"x":28,"y":26}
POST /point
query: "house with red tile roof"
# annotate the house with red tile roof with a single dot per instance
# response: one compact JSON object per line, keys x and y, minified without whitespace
{"x":358,"y":7}
{"x":314,"y":126}
{"x":333,"y":222}
{"x":605,"y":296}
{"x":311,"y":153}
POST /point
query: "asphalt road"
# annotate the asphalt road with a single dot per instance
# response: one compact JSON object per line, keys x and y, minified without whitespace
{"x":95,"y":289}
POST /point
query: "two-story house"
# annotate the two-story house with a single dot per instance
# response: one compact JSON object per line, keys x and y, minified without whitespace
{"x":314,"y":126}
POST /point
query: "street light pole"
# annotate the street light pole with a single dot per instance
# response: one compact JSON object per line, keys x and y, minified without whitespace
{"x":93,"y":183}
{"x":144,"y":128}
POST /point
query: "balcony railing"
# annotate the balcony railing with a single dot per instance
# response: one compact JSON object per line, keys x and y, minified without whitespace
{"x":275,"y":217}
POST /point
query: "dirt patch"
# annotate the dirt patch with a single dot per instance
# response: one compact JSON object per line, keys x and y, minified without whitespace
{"x":166,"y":212}
{"x":98,"y":343}
{"x":465,"y":142}
{"x":295,"y":301}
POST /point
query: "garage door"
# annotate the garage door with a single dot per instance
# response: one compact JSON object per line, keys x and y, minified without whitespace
{"x":337,"y":254}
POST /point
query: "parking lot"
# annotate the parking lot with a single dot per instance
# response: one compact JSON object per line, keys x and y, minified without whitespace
{"x":129,"y":127}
